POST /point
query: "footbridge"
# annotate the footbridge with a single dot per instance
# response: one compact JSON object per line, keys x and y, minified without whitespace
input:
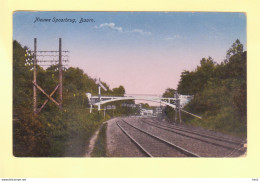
{"x":177,"y":102}
{"x":174,"y":102}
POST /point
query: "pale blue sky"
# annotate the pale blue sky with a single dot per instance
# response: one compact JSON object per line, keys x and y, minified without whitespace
{"x":143,"y":51}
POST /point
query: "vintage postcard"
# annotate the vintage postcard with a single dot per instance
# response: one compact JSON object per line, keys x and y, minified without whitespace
{"x":129,"y":84}
{"x":133,"y":89}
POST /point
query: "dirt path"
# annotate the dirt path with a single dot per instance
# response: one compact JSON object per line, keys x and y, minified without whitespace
{"x":92,"y":142}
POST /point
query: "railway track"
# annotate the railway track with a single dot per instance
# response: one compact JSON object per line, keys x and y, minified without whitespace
{"x":232,"y":145}
{"x":152,"y":145}
{"x":177,"y":127}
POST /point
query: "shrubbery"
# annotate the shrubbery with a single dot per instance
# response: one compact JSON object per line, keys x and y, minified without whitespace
{"x":220,"y":93}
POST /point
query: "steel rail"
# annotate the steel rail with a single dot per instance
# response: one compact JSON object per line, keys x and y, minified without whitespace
{"x":200,"y":134}
{"x":216,"y":144}
{"x":132,"y":139}
{"x":182,"y":150}
{"x":237,"y":149}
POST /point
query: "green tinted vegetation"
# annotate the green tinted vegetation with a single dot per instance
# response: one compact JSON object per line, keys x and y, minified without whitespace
{"x":220,"y":93}
{"x":168,"y":111}
{"x":100,"y":145}
{"x":55,"y":132}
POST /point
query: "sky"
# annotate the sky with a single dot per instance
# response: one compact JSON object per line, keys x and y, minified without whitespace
{"x":143,"y":51}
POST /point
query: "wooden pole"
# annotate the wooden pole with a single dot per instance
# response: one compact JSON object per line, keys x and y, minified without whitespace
{"x":60,"y":73}
{"x":34,"y":78}
{"x":46,"y":94}
{"x":180,"y":114}
{"x":46,"y":101}
{"x":178,"y":107}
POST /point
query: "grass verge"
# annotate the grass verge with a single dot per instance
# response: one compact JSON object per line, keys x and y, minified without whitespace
{"x":100,"y":145}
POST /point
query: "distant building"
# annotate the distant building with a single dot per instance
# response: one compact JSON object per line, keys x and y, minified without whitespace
{"x":157,"y":111}
{"x":108,"y":107}
{"x":146,"y":112}
{"x":128,"y":105}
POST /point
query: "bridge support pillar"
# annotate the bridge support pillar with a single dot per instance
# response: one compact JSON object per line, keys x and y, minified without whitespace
{"x":98,"y":107}
{"x":180,"y":115}
{"x":90,"y":108}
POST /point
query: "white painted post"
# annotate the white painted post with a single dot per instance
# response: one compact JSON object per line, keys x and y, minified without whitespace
{"x":90,"y":108}
{"x":99,"y":90}
{"x":99,"y":95}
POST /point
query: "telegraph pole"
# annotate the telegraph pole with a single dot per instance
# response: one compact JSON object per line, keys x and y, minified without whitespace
{"x":60,"y":73}
{"x":46,"y":59}
{"x":34,"y":78}
{"x":176,"y":103}
{"x":177,"y":110}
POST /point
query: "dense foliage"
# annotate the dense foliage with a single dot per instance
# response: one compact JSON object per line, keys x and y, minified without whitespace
{"x":220,"y":93}
{"x":54,"y":131}
{"x":168,"y":111}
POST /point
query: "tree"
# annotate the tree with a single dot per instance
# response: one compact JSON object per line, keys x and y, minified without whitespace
{"x":193,"y":82}
{"x":169,"y":92}
{"x":236,"y":48}
{"x":119,"y":91}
